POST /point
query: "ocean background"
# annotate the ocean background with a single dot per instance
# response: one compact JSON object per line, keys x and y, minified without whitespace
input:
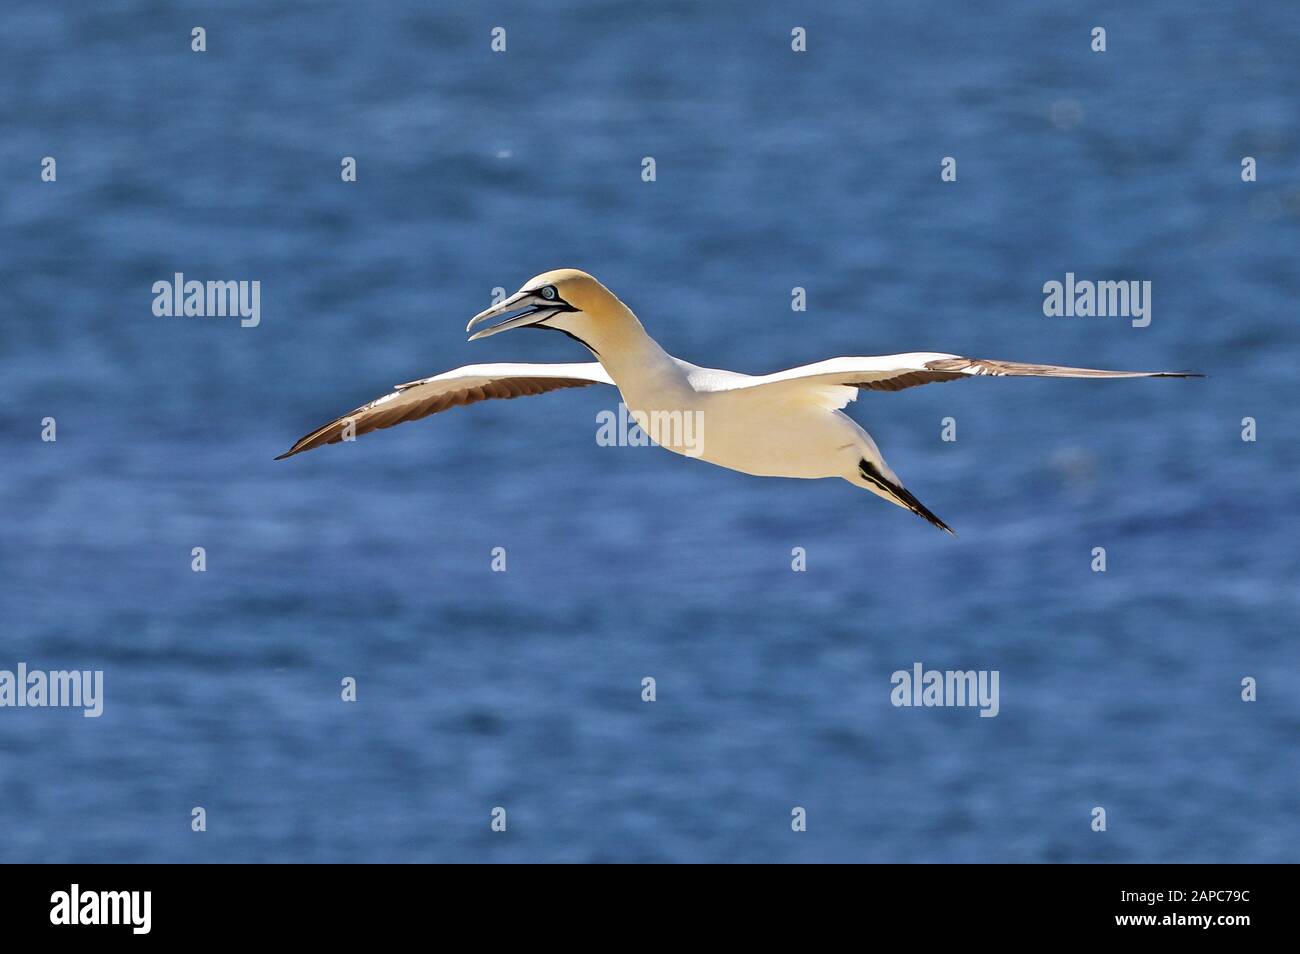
{"x":522,"y":689}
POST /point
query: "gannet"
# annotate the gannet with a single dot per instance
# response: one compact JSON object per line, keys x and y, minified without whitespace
{"x":787,"y":424}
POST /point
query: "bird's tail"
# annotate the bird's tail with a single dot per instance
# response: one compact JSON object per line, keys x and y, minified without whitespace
{"x":898,"y":494}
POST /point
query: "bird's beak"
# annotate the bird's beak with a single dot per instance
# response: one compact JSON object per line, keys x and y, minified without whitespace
{"x":522,"y":309}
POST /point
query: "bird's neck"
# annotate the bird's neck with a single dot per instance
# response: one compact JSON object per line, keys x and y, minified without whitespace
{"x":629,"y":354}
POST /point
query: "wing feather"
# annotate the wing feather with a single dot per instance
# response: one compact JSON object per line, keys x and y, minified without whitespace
{"x":894,"y":372}
{"x":467,"y":385}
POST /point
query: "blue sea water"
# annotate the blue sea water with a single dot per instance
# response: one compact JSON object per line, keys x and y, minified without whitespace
{"x":522,"y":689}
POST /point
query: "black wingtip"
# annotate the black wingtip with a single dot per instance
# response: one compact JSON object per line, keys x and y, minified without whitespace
{"x":900,"y":493}
{"x":920,"y":509}
{"x":925,"y":514}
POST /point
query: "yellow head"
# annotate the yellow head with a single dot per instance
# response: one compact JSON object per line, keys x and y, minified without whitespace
{"x":564,"y":299}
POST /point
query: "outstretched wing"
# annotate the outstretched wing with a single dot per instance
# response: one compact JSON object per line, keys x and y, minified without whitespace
{"x":893,"y":372}
{"x":474,"y":382}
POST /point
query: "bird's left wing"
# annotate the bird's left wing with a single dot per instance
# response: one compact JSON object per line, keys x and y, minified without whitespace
{"x":474,"y":382}
{"x":893,"y":372}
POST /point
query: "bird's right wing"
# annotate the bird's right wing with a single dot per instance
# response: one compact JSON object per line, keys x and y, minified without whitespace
{"x":831,"y":380}
{"x":474,"y":382}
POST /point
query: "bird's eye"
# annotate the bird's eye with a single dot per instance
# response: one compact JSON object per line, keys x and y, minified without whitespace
{"x":549,"y":293}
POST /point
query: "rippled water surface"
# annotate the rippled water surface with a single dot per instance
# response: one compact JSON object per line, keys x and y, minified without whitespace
{"x":523,"y":689}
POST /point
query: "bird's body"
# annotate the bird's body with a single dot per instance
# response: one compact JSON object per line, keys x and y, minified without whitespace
{"x":787,"y":424}
{"x":766,"y":432}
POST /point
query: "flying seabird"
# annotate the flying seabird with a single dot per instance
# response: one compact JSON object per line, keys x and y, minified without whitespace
{"x":787,"y":424}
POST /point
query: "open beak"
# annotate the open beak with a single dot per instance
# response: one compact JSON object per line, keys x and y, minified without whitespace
{"x":520,"y":310}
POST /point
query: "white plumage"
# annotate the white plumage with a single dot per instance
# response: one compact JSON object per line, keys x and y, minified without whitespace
{"x":787,"y":424}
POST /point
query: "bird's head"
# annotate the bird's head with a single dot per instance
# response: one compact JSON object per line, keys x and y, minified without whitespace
{"x":565,"y":300}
